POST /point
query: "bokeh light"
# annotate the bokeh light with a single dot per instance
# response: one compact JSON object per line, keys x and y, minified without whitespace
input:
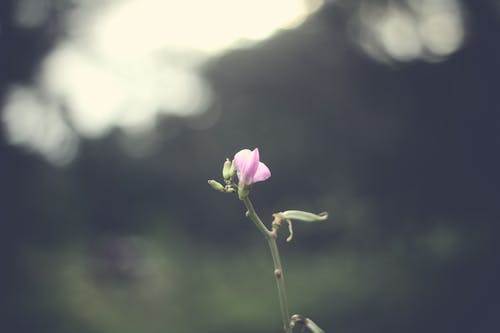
{"x":123,"y":64}
{"x":428,"y":30}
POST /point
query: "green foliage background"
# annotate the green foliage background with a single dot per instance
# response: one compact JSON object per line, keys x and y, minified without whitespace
{"x":403,"y":156}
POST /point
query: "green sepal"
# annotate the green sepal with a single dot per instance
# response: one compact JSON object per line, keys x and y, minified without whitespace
{"x":304,"y":216}
{"x":242,"y":193}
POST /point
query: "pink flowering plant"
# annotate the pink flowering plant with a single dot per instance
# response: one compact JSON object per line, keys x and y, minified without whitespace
{"x":248,"y":168}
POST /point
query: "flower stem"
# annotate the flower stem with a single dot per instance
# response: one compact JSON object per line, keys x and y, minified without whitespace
{"x":278,"y":270}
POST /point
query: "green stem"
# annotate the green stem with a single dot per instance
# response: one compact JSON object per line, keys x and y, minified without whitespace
{"x":278,"y":269}
{"x":280,"y":283}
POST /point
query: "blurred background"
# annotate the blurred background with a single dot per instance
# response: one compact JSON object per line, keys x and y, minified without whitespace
{"x":115,"y":113}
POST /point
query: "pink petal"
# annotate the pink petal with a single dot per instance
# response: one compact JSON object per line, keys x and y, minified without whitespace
{"x":262,"y":173}
{"x":240,"y":159}
{"x":246,"y":163}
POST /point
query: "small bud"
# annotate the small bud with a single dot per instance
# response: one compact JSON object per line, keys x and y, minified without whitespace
{"x":304,"y":216}
{"x":216,"y":185}
{"x":232,"y":170}
{"x":226,"y":169}
{"x":230,"y":189}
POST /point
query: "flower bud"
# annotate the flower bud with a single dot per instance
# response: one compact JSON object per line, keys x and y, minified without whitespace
{"x":216,"y":185}
{"x":232,"y":170}
{"x":226,"y":170}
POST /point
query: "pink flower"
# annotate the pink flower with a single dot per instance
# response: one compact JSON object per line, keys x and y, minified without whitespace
{"x":249,"y":169}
